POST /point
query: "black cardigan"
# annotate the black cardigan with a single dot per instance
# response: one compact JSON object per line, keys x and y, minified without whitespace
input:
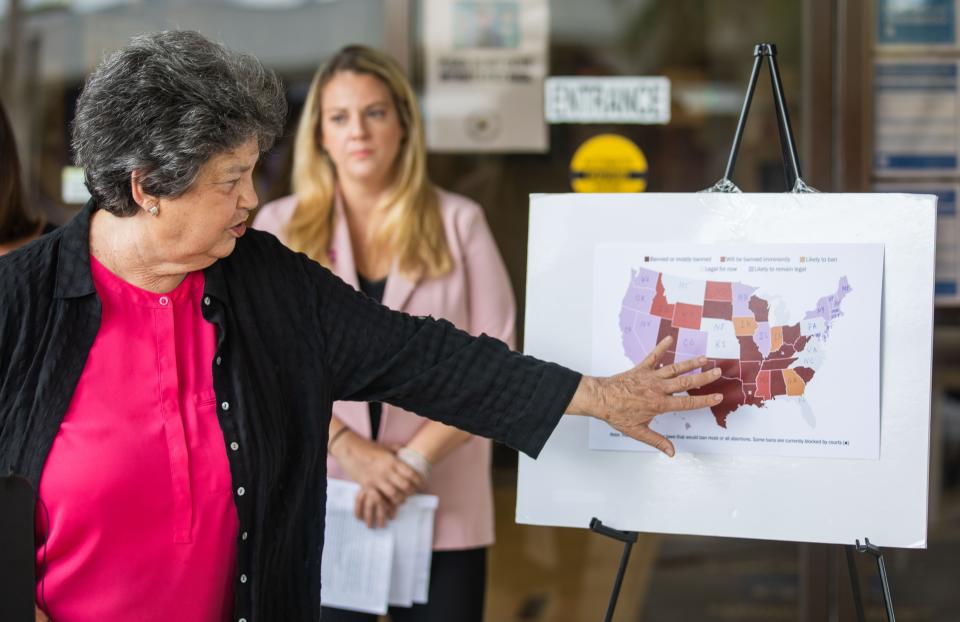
{"x":291,"y":339}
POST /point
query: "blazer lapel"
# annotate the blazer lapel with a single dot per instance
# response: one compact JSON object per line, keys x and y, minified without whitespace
{"x":398,"y":289}
{"x":341,"y":248}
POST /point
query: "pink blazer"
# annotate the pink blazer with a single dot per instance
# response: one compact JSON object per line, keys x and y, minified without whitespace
{"x":476,"y":296}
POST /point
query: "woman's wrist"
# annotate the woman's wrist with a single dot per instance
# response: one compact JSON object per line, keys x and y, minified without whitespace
{"x":587,"y":397}
{"x":415,"y":460}
{"x":337,"y":439}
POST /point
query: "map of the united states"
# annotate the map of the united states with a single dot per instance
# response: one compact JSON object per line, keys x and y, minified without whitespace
{"x":728,"y":323}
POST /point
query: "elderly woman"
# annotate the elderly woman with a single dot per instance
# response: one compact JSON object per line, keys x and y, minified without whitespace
{"x":166,"y":377}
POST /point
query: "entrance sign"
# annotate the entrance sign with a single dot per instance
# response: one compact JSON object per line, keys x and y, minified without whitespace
{"x":643,"y":100}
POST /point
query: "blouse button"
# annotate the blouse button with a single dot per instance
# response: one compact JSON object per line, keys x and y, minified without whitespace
{"x":225,"y":406}
{"x":234,"y":446}
{"x":242,"y":620}
{"x":240,"y":491}
{"x":164,"y":300}
{"x":206,"y":300}
{"x":218,"y":360}
{"x":244,"y":536}
{"x":243,"y":578}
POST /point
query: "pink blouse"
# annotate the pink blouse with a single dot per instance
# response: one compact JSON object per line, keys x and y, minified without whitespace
{"x":137,"y":486}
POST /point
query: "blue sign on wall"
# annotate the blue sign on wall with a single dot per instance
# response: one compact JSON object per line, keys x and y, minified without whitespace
{"x":916,"y":22}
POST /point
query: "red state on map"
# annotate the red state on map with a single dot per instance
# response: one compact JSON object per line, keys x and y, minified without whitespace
{"x":687,"y":316}
{"x":785,"y":352}
{"x":805,"y":373}
{"x":719,"y":291}
{"x":760,"y":308}
{"x":791,"y":334}
{"x":733,"y":397}
{"x":749,"y":350}
{"x":777,"y":385}
{"x":751,"y":398}
{"x":667,"y":329}
{"x":749,"y":371}
{"x":763,"y":384}
{"x":660,"y":307}
{"x":729,"y":368}
{"x":718,"y":310}
{"x":772,"y":363}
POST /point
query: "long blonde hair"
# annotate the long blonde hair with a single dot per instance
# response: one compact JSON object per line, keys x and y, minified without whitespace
{"x":411,"y":229}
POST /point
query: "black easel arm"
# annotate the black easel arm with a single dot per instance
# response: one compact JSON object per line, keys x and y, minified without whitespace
{"x":742,"y":121}
{"x":787,"y":144}
{"x":610,"y":532}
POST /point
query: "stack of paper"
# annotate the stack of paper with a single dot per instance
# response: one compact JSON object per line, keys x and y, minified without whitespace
{"x":370,"y":569}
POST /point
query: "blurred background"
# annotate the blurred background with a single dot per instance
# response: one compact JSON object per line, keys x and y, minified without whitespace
{"x":868,"y":86}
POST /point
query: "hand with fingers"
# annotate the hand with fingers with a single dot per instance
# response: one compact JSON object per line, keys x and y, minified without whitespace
{"x":373,"y":508}
{"x":631,"y":400}
{"x":385,"y":480}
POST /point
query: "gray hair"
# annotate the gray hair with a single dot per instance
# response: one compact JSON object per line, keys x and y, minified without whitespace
{"x":163,"y":106}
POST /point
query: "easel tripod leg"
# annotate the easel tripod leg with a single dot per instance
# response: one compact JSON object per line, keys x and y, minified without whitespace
{"x":618,"y":582}
{"x":854,"y":582}
{"x":628,"y":538}
{"x":887,"y":597}
{"x":874,"y":550}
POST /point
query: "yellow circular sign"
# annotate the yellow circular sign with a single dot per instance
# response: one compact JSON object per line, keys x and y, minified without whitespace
{"x":608,"y":163}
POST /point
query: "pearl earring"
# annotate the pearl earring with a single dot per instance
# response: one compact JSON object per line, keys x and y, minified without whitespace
{"x":154,"y":210}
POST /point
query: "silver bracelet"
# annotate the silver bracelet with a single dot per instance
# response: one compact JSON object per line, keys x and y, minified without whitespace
{"x":415,"y":460}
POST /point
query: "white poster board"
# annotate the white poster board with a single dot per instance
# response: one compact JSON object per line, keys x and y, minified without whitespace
{"x":808,"y":499}
{"x":947,"y":287}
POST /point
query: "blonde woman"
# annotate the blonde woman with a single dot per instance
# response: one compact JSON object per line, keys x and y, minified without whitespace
{"x":364,"y":207}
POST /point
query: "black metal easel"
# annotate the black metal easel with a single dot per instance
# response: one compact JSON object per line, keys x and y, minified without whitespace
{"x":874,"y":550}
{"x":795,"y":183}
{"x":791,"y":161}
{"x":629,"y":538}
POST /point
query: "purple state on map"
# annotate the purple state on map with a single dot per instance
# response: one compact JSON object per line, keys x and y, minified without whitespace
{"x":637,"y":332}
{"x":762,"y":337}
{"x":691,"y":343}
{"x":760,"y":360}
{"x":828,"y":307}
{"x":741,"y":300}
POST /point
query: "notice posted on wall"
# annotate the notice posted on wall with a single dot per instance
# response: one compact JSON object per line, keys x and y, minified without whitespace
{"x":915,"y":119}
{"x":794,"y":329}
{"x":485,"y":66}
{"x":916,"y":23}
